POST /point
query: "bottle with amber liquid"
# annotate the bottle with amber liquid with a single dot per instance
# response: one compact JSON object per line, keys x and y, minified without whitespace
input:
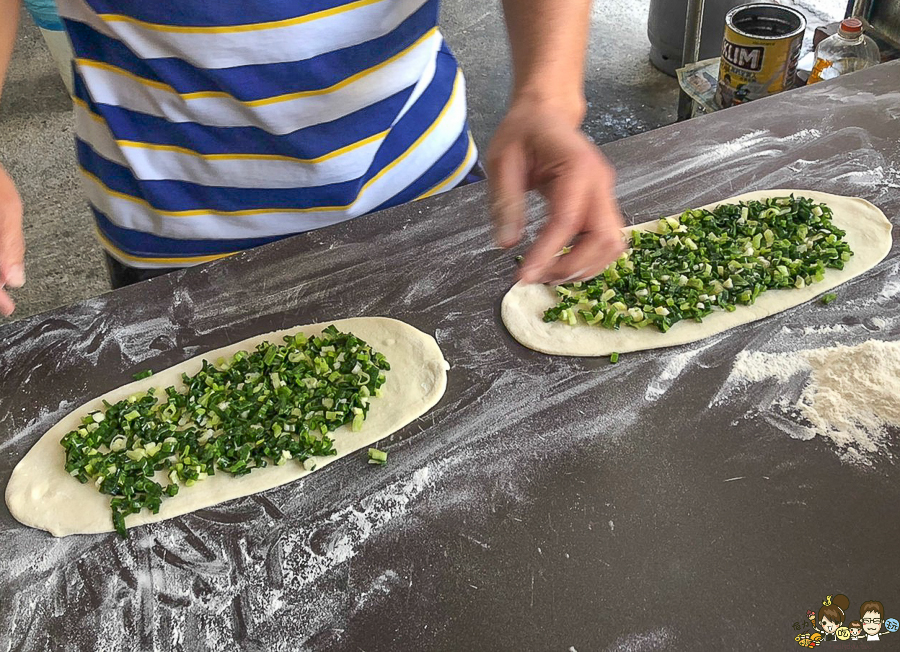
{"x":847,"y":51}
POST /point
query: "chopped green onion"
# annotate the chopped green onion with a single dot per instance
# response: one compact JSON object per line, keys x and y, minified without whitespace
{"x":377,"y":457}
{"x":143,"y":374}
{"x":274,"y":406}
{"x":703,"y":261}
{"x":614,"y":358}
{"x":828,"y":298}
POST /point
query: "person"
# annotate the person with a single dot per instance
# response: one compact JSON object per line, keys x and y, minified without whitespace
{"x":871,"y":613}
{"x":855,"y":630}
{"x":831,"y":616}
{"x":206,"y":128}
{"x":46,"y":18}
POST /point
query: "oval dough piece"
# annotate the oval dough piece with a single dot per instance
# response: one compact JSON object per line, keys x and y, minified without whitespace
{"x":868,"y":233}
{"x":42,"y":495}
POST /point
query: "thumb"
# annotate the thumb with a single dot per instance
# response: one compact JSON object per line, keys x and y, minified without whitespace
{"x":12,"y":241}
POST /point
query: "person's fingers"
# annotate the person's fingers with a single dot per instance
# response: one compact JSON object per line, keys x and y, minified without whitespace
{"x":568,"y":196}
{"x":12,"y":242}
{"x":6,"y":304}
{"x":12,"y":275}
{"x":507,"y":184}
{"x":599,"y":245}
{"x":590,"y":256}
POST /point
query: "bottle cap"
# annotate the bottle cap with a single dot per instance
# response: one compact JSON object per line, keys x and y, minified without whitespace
{"x":851,"y":26}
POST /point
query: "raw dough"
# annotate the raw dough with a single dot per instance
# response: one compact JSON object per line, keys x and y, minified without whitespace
{"x":868,"y":233}
{"x":42,"y":495}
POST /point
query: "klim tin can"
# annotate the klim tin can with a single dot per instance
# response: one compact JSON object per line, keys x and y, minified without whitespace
{"x":759,"y":53}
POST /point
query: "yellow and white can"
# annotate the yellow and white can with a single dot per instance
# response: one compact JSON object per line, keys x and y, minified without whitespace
{"x":759,"y":53}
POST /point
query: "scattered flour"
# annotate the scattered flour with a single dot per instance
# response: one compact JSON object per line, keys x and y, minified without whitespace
{"x":306,"y":563}
{"x":850,"y":397}
{"x":675,"y":367}
{"x":891,"y":290}
{"x":42,"y":422}
{"x":827,"y":328}
{"x":658,"y":639}
{"x":382,"y":585}
{"x":755,"y":366}
{"x":803,"y":136}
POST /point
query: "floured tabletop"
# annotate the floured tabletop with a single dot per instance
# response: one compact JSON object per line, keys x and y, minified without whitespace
{"x":546,"y":503}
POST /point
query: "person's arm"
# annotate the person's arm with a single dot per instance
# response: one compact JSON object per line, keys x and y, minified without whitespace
{"x":539,"y":145}
{"x":12,"y":243}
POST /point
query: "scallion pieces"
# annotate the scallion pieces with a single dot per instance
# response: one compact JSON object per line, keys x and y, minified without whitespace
{"x":377,"y":457}
{"x":614,"y":357}
{"x":704,"y":261}
{"x":828,"y":298}
{"x":275,"y":405}
{"x":143,"y":374}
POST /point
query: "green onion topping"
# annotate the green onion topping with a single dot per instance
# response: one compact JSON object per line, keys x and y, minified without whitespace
{"x":275,"y":405}
{"x":143,"y":374}
{"x":708,"y":260}
{"x":377,"y":457}
{"x":614,"y":357}
{"x":828,"y":298}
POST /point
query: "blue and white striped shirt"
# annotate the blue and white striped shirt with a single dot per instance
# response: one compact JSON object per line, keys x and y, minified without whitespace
{"x":204,"y":128}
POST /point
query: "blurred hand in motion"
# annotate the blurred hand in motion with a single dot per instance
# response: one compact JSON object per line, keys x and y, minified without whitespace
{"x":12,"y":242}
{"x":537,"y":148}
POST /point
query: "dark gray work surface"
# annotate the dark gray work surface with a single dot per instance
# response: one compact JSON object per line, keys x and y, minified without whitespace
{"x":546,"y":503}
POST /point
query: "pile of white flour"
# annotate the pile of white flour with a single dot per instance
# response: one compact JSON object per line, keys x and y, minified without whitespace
{"x":852,"y":395}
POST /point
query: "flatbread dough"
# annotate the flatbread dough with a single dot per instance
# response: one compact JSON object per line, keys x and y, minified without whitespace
{"x":868,"y":233}
{"x":42,"y":495}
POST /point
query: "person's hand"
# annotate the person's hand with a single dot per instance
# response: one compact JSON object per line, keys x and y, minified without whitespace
{"x":12,"y":242}
{"x":537,"y":148}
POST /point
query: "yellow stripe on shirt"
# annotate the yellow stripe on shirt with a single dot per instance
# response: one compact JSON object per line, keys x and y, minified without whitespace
{"x":468,"y":162}
{"x":118,"y":253}
{"x":275,"y":99}
{"x":203,"y":211}
{"x":261,"y":211}
{"x":233,"y":29}
{"x":424,"y":135}
{"x":233,"y":157}
{"x":77,"y":101}
{"x":253,"y":157}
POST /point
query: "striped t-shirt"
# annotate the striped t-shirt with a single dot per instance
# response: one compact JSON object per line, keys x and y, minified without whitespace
{"x":207,"y":127}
